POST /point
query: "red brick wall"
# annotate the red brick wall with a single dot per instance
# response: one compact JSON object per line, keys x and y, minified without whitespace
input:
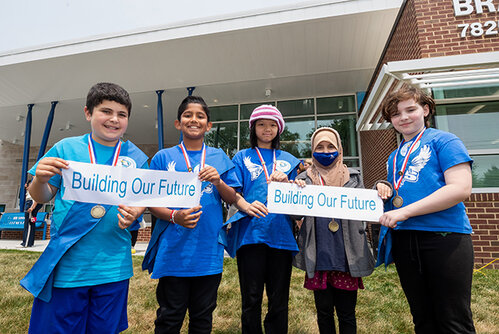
{"x":483,"y":211}
{"x":380,"y":144}
{"x":18,"y":235}
{"x":144,"y":234}
{"x":405,"y":42}
{"x":428,"y":28}
{"x":439,"y":34}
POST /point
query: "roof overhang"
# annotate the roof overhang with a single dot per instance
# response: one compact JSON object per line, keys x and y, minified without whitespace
{"x":427,"y":73}
{"x":323,"y":49}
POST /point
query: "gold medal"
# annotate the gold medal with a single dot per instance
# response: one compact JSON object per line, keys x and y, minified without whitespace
{"x":98,"y":211}
{"x":397,"y":201}
{"x":333,"y":226}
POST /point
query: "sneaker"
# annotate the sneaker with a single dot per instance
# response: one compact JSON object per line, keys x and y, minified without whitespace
{"x":133,"y":250}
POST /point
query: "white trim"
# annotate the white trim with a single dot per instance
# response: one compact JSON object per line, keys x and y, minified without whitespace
{"x":448,"y":71}
{"x":485,"y":151}
{"x":472,"y":99}
{"x":491,"y":190}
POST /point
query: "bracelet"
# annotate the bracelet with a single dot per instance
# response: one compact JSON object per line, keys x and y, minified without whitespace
{"x":172,"y":216}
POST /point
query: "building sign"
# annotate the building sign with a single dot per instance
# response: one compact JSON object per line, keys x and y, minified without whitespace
{"x":477,"y":29}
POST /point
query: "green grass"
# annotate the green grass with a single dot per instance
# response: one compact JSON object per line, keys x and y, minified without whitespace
{"x":381,"y":307}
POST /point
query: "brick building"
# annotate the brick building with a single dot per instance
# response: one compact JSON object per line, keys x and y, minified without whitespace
{"x":449,"y":48}
{"x":320,"y":62}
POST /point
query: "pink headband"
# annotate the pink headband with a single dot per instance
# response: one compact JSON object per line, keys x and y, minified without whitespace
{"x":266,"y":111}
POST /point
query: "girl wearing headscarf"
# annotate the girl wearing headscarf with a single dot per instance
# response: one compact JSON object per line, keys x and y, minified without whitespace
{"x":333,"y":252}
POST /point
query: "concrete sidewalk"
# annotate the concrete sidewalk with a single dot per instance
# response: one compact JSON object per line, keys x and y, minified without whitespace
{"x":40,"y":245}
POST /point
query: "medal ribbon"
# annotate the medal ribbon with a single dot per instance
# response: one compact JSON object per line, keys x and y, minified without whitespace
{"x":267,"y":176}
{"x":91,"y":151}
{"x":397,"y":184}
{"x":187,"y":160}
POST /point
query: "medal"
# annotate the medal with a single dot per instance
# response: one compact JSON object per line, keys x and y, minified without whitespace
{"x":98,"y":211}
{"x":333,"y":226}
{"x":397,"y":200}
{"x":267,"y":176}
{"x":188,"y":161}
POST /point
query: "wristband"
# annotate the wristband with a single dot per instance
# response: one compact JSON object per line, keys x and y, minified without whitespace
{"x":172,"y":216}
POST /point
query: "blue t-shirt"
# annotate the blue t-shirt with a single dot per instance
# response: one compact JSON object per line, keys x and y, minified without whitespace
{"x":275,"y":230}
{"x":436,"y":152}
{"x":103,"y":255}
{"x":184,"y":252}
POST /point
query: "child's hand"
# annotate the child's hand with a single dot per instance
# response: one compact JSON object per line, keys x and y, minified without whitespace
{"x":127,"y":215}
{"x":48,"y":167}
{"x":278,"y":176}
{"x":300,"y":183}
{"x":384,"y":191}
{"x":189,"y":217}
{"x":390,"y":218}
{"x":210,"y":174}
{"x":257,"y":209}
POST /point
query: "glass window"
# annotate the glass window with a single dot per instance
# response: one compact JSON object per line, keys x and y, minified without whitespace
{"x":296,"y":107}
{"x":345,"y":125}
{"x":485,"y":171}
{"x":223,"y":113}
{"x":2,"y":207}
{"x":295,"y":138}
{"x":474,"y":123}
{"x":223,"y":135}
{"x":244,"y":141}
{"x":247,"y":109}
{"x":337,"y":104}
{"x":456,"y":92}
{"x":49,"y":208}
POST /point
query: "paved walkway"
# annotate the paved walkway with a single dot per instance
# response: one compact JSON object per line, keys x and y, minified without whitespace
{"x":40,"y":245}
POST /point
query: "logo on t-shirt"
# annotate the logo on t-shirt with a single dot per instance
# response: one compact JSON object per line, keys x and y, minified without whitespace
{"x":283,"y":166}
{"x":254,"y":169}
{"x":417,"y":164}
{"x":126,"y":162}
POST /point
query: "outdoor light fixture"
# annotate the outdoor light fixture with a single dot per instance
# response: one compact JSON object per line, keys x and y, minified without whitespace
{"x":268,"y":92}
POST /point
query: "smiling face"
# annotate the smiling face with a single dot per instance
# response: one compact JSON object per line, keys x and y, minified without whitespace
{"x":109,"y":121}
{"x":325,"y":147}
{"x":193,"y":122}
{"x":409,"y":118}
{"x":265,"y":130}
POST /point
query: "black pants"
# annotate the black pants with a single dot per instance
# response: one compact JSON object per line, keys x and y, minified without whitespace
{"x":134,"y":234}
{"x":258,"y":266}
{"x":344,"y":301}
{"x":435,"y":273}
{"x":29,"y":227}
{"x":176,"y":295}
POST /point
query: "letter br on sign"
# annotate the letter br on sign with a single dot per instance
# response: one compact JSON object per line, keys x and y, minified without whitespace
{"x":323,"y":201}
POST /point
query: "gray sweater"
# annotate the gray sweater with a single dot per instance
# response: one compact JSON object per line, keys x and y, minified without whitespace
{"x":359,"y":256}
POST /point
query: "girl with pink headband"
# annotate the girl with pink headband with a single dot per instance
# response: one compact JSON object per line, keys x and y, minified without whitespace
{"x":263,"y":242}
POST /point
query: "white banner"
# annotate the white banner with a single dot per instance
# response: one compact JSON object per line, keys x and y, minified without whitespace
{"x":322,"y":201}
{"x":105,"y":184}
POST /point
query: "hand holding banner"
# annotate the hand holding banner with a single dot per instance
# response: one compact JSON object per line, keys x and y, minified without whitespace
{"x":324,"y":201}
{"x":105,"y":184}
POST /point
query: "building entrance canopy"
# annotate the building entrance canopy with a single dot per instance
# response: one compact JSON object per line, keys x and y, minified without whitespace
{"x":320,"y":48}
{"x":428,"y":73}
